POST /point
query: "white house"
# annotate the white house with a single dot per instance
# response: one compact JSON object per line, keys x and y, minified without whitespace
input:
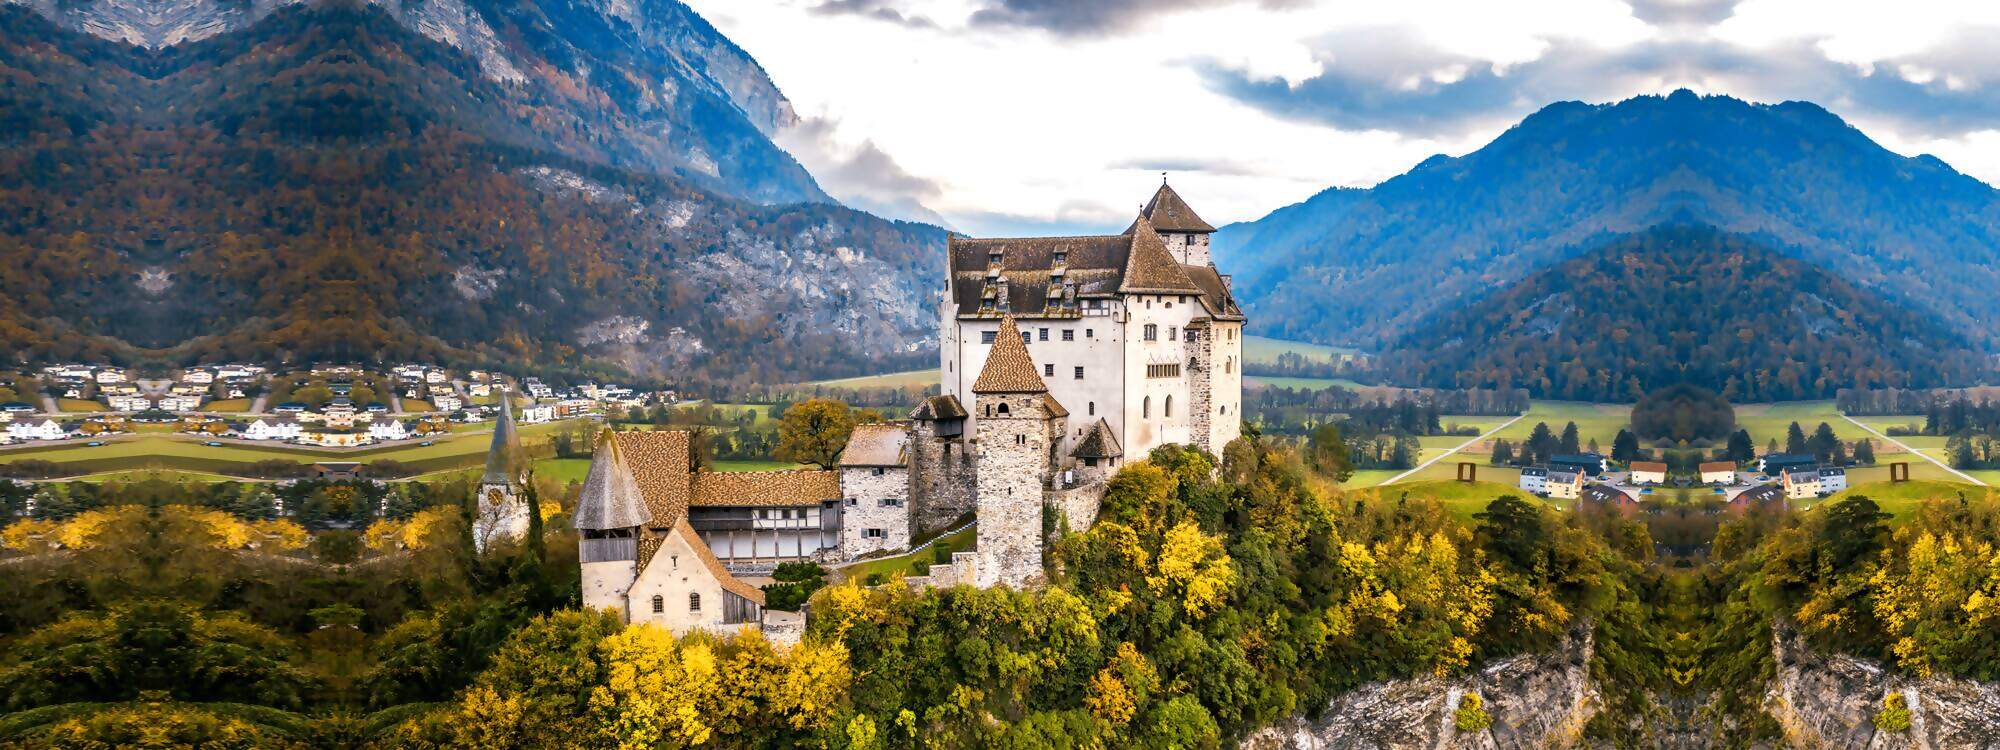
{"x":127,"y":402}
{"x":447,"y":402}
{"x":435,"y":376}
{"x":36,"y":429}
{"x":271,"y":428}
{"x":1718,"y":472}
{"x":388,"y":429}
{"x":538,"y":413}
{"x":480,"y":389}
{"x":198,"y":377}
{"x":1832,"y":479}
{"x":180,"y":403}
{"x":1535,"y":480}
{"x":1648,"y":472}
{"x":110,"y":375}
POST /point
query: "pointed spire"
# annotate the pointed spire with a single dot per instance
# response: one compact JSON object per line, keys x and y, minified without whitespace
{"x":504,"y":457}
{"x":611,"y":498}
{"x":1008,"y":368}
{"x":1171,"y":214}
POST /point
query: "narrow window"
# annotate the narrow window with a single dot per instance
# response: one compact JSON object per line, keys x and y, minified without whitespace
{"x":1152,"y":332}
{"x":659,"y":604}
{"x":1090,"y":333}
{"x":1169,"y":410}
{"x":1093,"y":408}
{"x":1170,"y":333}
{"x":1146,"y":407}
{"x":694,"y":602}
{"x":1020,"y":439}
{"x":1079,"y":372}
{"x":1044,"y":334}
{"x":1049,"y":370}
{"x":1027,"y":338}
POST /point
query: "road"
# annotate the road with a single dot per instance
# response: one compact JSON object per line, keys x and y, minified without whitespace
{"x":1913,"y":451}
{"x":1455,"y":449}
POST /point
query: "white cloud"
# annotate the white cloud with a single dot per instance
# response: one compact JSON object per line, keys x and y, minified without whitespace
{"x":1022,"y":115}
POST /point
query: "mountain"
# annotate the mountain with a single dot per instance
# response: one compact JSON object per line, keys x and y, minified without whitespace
{"x":1366,"y":267}
{"x":1676,"y":304}
{"x":325,"y":182}
{"x":645,"y":85}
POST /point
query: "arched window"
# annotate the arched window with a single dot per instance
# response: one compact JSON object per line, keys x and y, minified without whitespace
{"x":1169,"y":411}
{"x":1146,"y":407}
{"x":694,"y":602}
{"x":1222,"y":410}
{"x":659,"y":604}
{"x":1003,"y":410}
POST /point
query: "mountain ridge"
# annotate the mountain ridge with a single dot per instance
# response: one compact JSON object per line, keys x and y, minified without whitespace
{"x":1442,"y":233}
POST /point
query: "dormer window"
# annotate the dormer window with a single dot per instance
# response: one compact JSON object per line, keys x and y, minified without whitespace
{"x":1061,"y":257}
{"x":994,"y":259}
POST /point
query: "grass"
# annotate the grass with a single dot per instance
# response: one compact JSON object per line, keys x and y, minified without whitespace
{"x":960,"y":541}
{"x":1370,"y":477}
{"x":908,"y":379}
{"x":167,"y":475}
{"x":74,"y":405}
{"x":1261,"y":350}
{"x":1308,"y":384}
{"x":1899,"y":499}
{"x":1461,"y":499}
{"x":413,"y":405}
{"x":228,"y":405}
{"x":1766,"y":422}
{"x":179,"y":452}
{"x":1600,"y":422}
{"x":563,"y":469}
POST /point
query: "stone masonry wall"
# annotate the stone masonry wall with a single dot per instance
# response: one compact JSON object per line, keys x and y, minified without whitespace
{"x":1013,"y":470}
{"x":874,"y":498}
{"x":1076,"y":507}
{"x":1201,"y":388}
{"x":942,"y":477}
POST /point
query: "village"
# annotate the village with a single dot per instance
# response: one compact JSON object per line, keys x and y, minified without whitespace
{"x":327,"y":406}
{"x":1773,"y":477}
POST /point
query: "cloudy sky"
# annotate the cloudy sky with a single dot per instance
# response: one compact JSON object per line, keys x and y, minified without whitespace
{"x":1033,"y":116}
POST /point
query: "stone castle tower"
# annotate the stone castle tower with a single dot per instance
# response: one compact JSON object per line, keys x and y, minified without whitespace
{"x":610,"y":512}
{"x":503,"y":512}
{"x":1019,"y":428}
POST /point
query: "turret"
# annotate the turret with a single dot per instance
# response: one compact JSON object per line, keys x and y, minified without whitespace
{"x":503,"y":513}
{"x":1184,"y":232}
{"x":1018,"y":427}
{"x":610,"y":511}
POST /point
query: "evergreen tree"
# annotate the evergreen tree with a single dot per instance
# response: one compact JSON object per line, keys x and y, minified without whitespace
{"x":1822,"y":442}
{"x":1569,"y":439}
{"x":1625,"y":447}
{"x":1795,"y":440}
{"x":1771,"y":448}
{"x":1740,"y":448}
{"x":1864,"y":452}
{"x":1503,"y":452}
{"x":1541,"y":443}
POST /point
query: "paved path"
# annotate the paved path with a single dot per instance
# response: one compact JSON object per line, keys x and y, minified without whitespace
{"x":1455,"y":449}
{"x":1915,"y":452}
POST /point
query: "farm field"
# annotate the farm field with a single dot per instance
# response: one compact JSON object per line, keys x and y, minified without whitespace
{"x":417,"y":405}
{"x":1767,"y":422}
{"x":157,"y":451}
{"x":228,"y":405}
{"x":908,"y":379}
{"x":1307,"y":384}
{"x":78,"y":406}
{"x":1600,"y":422}
{"x":1261,"y":350}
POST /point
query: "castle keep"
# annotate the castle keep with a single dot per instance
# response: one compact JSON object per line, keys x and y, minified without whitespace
{"x":1059,"y":356}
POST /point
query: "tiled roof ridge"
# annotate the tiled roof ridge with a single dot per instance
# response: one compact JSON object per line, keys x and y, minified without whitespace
{"x":1150,"y":268}
{"x":1009,"y":368}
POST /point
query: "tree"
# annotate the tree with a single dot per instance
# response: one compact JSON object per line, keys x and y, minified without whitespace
{"x":1503,"y":452}
{"x":1541,"y":443}
{"x":1822,"y":442}
{"x":1569,"y":443}
{"x":814,"y":431}
{"x":1327,"y":453}
{"x":1512,"y":530}
{"x":1852,"y":531}
{"x":1740,"y":448}
{"x":1795,"y":440}
{"x":1864,"y":452}
{"x":1625,"y":447}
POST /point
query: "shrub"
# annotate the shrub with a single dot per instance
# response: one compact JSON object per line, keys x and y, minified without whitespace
{"x":1471,"y":715}
{"x":1895,"y":714}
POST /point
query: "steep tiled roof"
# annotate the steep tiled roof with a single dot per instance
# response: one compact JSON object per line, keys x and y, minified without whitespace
{"x":1008,"y":368}
{"x":1647,"y":466}
{"x":1098,"y":442}
{"x":1055,"y":407}
{"x":503,"y":455}
{"x":715,"y":566}
{"x":765,"y":488}
{"x":1149,"y":268}
{"x":935,"y":408}
{"x":876,"y":445}
{"x":1215,"y":295}
{"x":1708,"y":466}
{"x":659,"y":462}
{"x":611,"y":498}
{"x":1169,"y":213}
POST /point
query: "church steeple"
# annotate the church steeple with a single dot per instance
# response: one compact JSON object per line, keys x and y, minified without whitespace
{"x":503,"y":512}
{"x":503,"y":455}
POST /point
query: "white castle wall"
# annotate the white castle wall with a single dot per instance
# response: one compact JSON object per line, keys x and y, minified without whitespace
{"x":864,"y":491}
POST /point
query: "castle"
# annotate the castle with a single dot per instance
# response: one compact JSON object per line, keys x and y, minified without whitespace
{"x":1060,"y":356}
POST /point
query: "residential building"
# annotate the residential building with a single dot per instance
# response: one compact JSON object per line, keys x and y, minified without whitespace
{"x":1535,"y":480}
{"x":1800,"y":483}
{"x":1774,"y":464}
{"x":36,"y":429}
{"x":538,"y":413}
{"x":1608,"y":495}
{"x":1718,"y":472}
{"x":1589,"y":464}
{"x":1832,"y":479}
{"x":388,"y":429}
{"x":1564,"y":484}
{"x":272,"y":428}
{"x":1647,"y":472}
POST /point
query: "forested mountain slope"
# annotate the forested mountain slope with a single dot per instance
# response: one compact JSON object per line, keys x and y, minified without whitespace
{"x":1365,"y":267}
{"x":325,"y":183}
{"x":1680,"y":304}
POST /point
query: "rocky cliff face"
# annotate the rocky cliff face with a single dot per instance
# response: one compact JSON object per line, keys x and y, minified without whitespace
{"x":1831,"y":701}
{"x":1535,"y":701}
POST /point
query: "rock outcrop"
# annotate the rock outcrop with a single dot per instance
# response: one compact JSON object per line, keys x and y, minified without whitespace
{"x":1831,"y":701}
{"x":1535,"y":701}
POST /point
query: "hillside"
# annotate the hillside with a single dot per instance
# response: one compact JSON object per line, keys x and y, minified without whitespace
{"x":1365,"y":267}
{"x":1682,"y":304}
{"x":324,"y":183}
{"x":643,"y":85}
